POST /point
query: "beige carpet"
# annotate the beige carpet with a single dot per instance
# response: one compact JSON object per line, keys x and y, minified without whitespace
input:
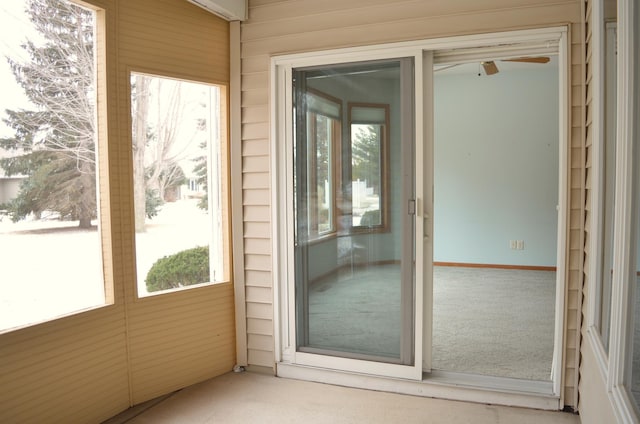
{"x":494,"y":322}
{"x":485,"y":321}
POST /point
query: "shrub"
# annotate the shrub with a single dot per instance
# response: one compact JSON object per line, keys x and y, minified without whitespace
{"x":184,"y":268}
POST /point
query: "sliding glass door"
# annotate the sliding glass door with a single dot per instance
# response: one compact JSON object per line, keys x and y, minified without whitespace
{"x":353,"y":216}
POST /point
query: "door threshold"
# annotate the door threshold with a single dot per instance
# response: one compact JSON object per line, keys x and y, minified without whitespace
{"x":485,"y":382}
{"x":440,"y":385}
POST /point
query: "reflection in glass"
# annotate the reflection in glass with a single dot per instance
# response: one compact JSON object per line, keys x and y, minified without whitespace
{"x":368,"y":152}
{"x":323,"y":122}
{"x":609,"y":184}
{"x":634,"y":383}
{"x":354,"y":295}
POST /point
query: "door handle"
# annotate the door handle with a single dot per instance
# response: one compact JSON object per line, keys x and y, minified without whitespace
{"x":425,"y":226}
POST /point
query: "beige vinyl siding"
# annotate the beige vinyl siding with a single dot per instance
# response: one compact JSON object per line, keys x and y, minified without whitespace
{"x":575,"y":237}
{"x":87,"y":367}
{"x":291,"y":26}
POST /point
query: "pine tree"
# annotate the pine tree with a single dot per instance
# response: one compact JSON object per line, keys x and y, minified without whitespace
{"x":54,"y":145}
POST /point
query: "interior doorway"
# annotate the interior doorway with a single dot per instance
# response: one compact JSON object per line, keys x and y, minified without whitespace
{"x":496,"y":181}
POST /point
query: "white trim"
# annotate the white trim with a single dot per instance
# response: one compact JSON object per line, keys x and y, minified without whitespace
{"x":237,"y":215}
{"x":563,"y":214}
{"x":406,"y":48}
{"x":464,"y":388}
{"x":625,"y":215}
{"x":597,"y":159}
{"x":424,"y":210}
{"x":599,"y":186}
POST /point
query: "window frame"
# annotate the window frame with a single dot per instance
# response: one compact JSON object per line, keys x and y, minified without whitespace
{"x":384,"y":164}
{"x":601,"y":184}
{"x":335,"y":146}
{"x":101,"y":115}
{"x":627,"y":208}
{"x":223,"y":165}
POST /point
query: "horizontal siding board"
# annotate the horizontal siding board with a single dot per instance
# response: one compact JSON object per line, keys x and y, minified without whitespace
{"x":258,"y":113}
{"x":255,"y":131}
{"x":259,"y":294}
{"x":255,"y":164}
{"x":257,"y":278}
{"x":255,"y":64}
{"x":261,"y":358}
{"x":260,"y":310}
{"x":256,"y":80}
{"x":255,"y":97}
{"x":257,"y":197}
{"x":257,"y":213}
{"x":259,"y":342}
{"x":259,"y":262}
{"x":259,"y":147}
{"x":257,"y":246}
{"x":260,"y":326}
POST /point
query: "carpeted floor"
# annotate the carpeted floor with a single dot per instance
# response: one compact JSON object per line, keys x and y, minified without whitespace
{"x":494,"y":322}
{"x":485,"y":321}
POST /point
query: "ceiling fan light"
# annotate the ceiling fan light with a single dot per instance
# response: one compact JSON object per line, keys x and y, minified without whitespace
{"x":490,"y":67}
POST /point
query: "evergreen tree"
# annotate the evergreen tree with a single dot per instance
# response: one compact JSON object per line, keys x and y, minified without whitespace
{"x":200,"y":170}
{"x":54,"y":145}
{"x":366,"y":159}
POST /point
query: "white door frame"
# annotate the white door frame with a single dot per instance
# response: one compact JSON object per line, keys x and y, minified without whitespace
{"x":296,"y":364}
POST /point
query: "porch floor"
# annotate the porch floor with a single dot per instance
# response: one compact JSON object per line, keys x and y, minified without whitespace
{"x":256,"y":398}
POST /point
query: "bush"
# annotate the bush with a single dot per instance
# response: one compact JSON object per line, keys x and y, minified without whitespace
{"x":181,"y":269}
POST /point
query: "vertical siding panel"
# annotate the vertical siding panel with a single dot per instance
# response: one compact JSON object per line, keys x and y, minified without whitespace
{"x":303,"y":25}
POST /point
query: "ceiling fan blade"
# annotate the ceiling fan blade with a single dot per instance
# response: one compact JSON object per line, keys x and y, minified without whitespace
{"x":538,"y":59}
{"x":490,"y":68}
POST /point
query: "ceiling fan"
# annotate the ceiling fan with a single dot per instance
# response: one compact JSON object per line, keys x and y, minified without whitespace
{"x":490,"y":67}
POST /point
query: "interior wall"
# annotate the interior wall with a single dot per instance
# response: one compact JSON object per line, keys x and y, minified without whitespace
{"x":88,"y":366}
{"x":496,"y":146}
{"x":292,"y":26}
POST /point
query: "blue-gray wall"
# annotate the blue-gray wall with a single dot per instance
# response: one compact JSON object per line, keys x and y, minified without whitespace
{"x":496,"y":166}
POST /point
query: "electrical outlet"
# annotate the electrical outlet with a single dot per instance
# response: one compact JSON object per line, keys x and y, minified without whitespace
{"x":520,"y":244}
{"x":513,"y":244}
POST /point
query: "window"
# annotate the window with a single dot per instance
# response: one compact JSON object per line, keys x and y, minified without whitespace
{"x":609,"y":147}
{"x":50,"y":234}
{"x":369,"y":146}
{"x":179,"y":180}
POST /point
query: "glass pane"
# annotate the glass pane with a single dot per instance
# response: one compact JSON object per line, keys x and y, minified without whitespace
{"x":176,"y":165}
{"x":610,"y":82}
{"x":351,"y":299}
{"x":634,"y":383}
{"x":324,"y":178}
{"x":366,"y":166}
{"x":50,"y":244}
